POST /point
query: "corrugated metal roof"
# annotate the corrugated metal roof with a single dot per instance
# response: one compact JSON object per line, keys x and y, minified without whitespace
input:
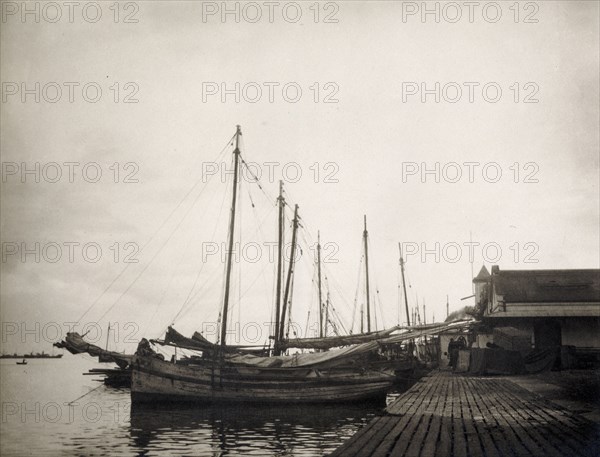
{"x":538,"y":286}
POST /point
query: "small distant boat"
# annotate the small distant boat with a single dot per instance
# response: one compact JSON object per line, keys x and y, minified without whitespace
{"x":23,"y":362}
{"x":37,"y":355}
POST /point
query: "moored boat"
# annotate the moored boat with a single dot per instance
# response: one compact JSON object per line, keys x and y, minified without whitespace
{"x":223,"y":375}
{"x":213,"y":381}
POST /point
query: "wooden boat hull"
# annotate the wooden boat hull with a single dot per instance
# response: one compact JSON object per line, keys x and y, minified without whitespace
{"x":156,"y":380}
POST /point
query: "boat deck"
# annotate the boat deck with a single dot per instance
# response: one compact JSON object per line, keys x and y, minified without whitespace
{"x":447,"y":414}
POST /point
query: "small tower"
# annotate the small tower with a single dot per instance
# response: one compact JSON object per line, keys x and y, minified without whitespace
{"x":479,"y":283}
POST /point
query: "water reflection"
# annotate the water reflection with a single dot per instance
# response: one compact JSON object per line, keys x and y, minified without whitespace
{"x":51,"y":409}
{"x":288,"y":430}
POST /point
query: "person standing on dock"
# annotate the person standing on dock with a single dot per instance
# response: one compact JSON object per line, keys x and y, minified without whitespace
{"x":453,"y":353}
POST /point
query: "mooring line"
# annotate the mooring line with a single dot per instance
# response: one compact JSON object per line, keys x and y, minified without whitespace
{"x":87,"y":393}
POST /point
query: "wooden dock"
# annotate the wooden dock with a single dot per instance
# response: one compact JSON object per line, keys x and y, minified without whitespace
{"x":447,"y":414}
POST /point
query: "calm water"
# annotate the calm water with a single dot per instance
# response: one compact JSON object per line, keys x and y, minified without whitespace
{"x":38,"y":418}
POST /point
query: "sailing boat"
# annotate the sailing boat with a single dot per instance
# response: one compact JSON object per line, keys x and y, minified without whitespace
{"x":390,"y":355}
{"x":325,"y":342}
{"x":225,"y":375}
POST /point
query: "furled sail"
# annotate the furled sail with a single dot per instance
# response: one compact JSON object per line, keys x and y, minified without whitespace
{"x":199,"y":343}
{"x":308,"y":360}
{"x":336,"y":341}
{"x":75,"y":344}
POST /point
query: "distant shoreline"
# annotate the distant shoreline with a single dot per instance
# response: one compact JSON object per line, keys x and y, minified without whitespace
{"x":31,"y":356}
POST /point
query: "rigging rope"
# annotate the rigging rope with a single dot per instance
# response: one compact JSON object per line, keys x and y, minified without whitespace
{"x":153,"y":258}
{"x":189,"y":296}
{"x":287,"y":333}
{"x":154,"y":234}
{"x":160,"y":302}
{"x":189,"y":301}
{"x":333,"y":313}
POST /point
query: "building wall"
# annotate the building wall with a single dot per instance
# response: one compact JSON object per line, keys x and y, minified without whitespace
{"x":482,"y":339}
{"x":579,"y":309}
{"x":523,"y":325}
{"x":479,"y":287}
{"x":443,"y":340}
{"x":574,"y":331}
{"x":444,"y":356}
{"x":581,"y":332}
{"x":517,"y":335}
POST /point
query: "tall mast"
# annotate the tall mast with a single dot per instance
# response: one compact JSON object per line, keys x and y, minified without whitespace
{"x":326,"y":314}
{"x":424,"y":319}
{"x":288,"y":280}
{"x":362,"y":319}
{"x":319,"y":280}
{"x":472,"y":272}
{"x":365,"y":236}
{"x":107,"y":335}
{"x":236,"y":160}
{"x":281,"y":204}
{"x":404,"y":285}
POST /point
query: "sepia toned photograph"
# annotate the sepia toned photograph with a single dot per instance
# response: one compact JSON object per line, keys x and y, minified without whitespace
{"x":300,"y":228}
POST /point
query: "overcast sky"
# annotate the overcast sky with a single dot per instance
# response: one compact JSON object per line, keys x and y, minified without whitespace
{"x":360,"y":118}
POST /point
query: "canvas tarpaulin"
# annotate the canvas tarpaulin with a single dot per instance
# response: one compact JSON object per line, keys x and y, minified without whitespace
{"x":496,"y":361}
{"x":313,"y":359}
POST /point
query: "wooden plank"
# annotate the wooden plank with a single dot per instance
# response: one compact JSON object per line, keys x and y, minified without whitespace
{"x":407,"y":398}
{"x":353,"y":444}
{"x":429,"y":448}
{"x":548,"y":412}
{"x":539,"y":431}
{"x":555,"y":437}
{"x":370,"y":446}
{"x":474,"y":447}
{"x":405,"y":439}
{"x":493,"y":430}
{"x":423,"y":432}
{"x":451,"y":415}
{"x":401,"y":434}
{"x":530,"y":442}
{"x":444,"y":444}
{"x":459,"y":443}
{"x":481,"y":423}
{"x":500,"y":432}
{"x":414,"y":395}
{"x":368,"y":439}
